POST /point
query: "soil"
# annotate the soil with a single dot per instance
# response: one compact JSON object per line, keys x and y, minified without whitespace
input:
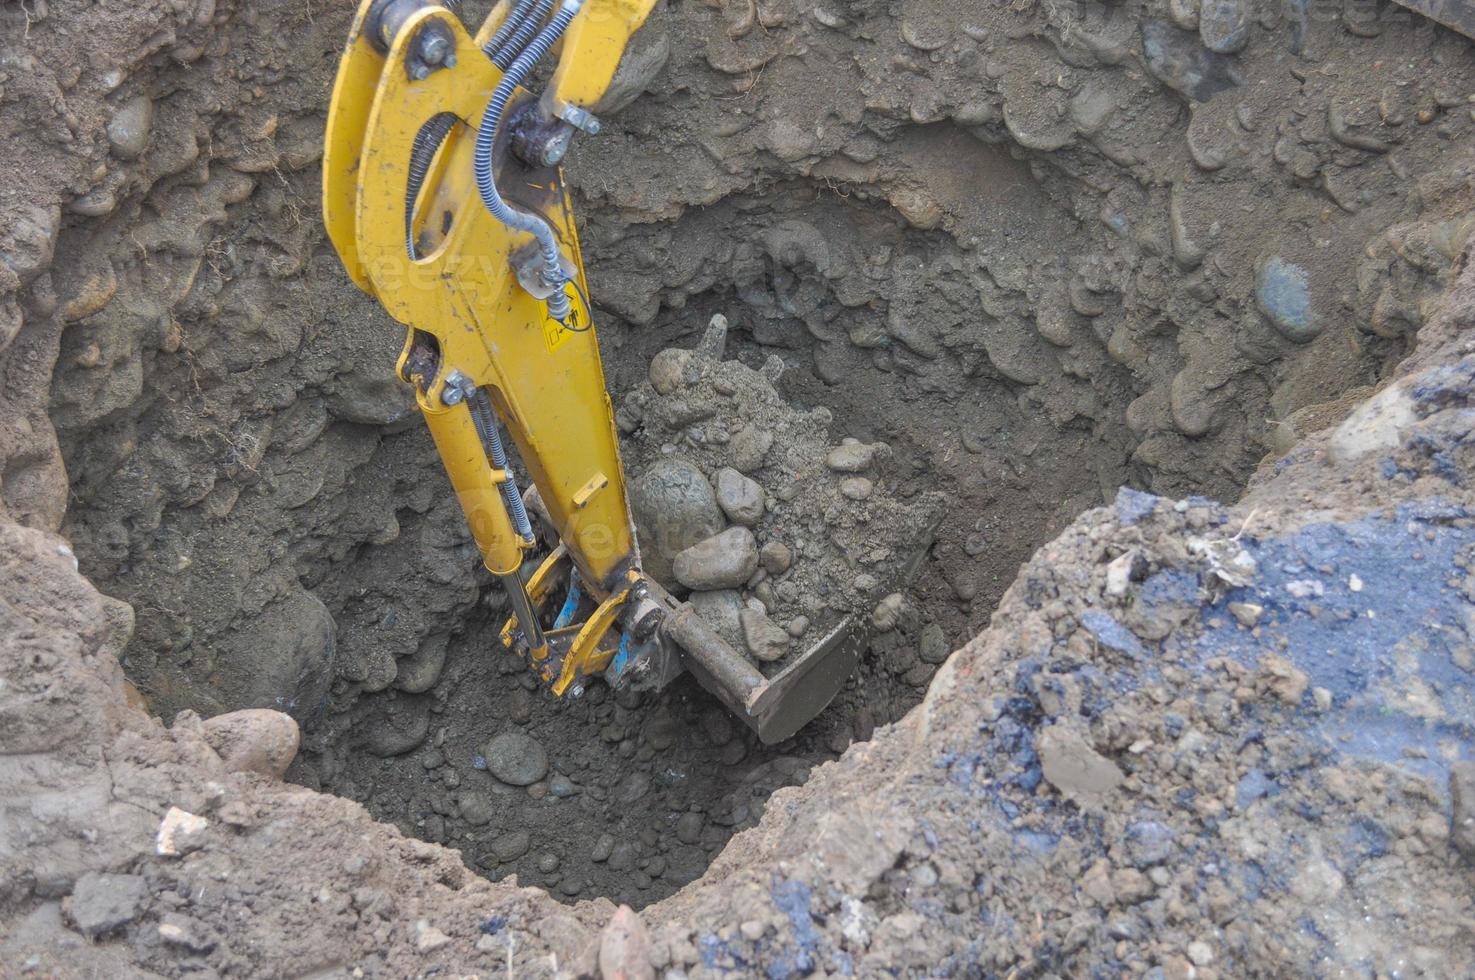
{"x":1081,"y":269}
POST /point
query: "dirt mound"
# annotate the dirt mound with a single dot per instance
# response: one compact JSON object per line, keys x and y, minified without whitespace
{"x":814,"y":541}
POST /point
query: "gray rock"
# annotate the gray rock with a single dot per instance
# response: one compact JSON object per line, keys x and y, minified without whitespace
{"x":548,"y":863}
{"x":395,"y":732}
{"x":888,"y":613}
{"x":29,"y":243}
{"x":1176,"y":59}
{"x":515,"y":759}
{"x":186,"y":932}
{"x":689,"y":828}
{"x":1163,"y":602}
{"x":284,"y":660}
{"x":775,"y":557}
{"x":851,"y":456}
{"x":674,"y":508}
{"x":1224,"y":25}
{"x":1073,"y":767}
{"x":418,"y":672}
{"x":561,"y":786}
{"x":1284,"y":295}
{"x":128,"y":130}
{"x":722,"y":561}
{"x":510,"y":847}
{"x":367,"y":397}
{"x":622,"y":857}
{"x":749,"y":448}
{"x":1184,"y":13}
{"x":765,"y":639}
{"x":1149,"y":843}
{"x":934,"y":646}
{"x":673,"y":369}
{"x":476,"y":808}
{"x":740,"y":498}
{"x":720,"y":610}
{"x":856,"y":488}
{"x":602,"y":848}
{"x":101,"y":903}
{"x":1377,"y":425}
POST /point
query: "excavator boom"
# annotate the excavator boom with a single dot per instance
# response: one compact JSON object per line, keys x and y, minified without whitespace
{"x":443,"y":196}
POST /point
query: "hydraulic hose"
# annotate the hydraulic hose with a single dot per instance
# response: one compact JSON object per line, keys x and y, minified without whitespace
{"x":486,"y":138}
{"x":515,"y":44}
{"x":486,"y":426}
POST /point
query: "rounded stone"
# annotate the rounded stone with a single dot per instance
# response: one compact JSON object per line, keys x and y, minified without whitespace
{"x":510,"y":847}
{"x":851,"y":456}
{"x":689,"y":828}
{"x":516,"y":759}
{"x":254,"y":740}
{"x":740,"y":497}
{"x":128,"y":130}
{"x":1283,"y":294}
{"x":674,"y":507}
{"x":722,"y":561}
{"x":476,"y":808}
{"x":776,"y":557}
{"x":673,"y":369}
{"x":1224,"y":25}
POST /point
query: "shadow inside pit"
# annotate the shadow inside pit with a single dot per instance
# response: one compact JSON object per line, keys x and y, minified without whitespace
{"x":629,"y":796}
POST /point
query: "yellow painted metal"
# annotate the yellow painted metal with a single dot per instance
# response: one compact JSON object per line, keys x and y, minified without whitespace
{"x":465,"y":309}
{"x":476,"y":484}
{"x":593,"y":46}
{"x":348,"y":112}
{"x":590,"y":652}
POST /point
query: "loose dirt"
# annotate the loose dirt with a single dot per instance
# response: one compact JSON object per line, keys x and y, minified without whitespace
{"x":1041,"y":263}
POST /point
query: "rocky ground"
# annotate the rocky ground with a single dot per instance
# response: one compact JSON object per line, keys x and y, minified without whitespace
{"x":1038,"y":252}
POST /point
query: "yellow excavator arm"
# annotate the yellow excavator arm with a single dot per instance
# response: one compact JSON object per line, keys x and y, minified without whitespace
{"x":443,"y":196}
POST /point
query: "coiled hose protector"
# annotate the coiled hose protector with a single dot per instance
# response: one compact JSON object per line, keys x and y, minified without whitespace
{"x":486,"y":138}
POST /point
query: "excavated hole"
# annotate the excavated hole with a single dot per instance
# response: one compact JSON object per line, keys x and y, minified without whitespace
{"x":324,"y":498}
{"x":640,"y":793}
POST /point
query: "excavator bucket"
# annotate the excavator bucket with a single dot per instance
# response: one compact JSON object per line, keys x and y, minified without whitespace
{"x":1457,"y":15}
{"x":834,"y":542}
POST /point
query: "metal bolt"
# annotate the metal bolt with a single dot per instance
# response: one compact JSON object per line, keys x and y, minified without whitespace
{"x":576,"y":691}
{"x":579,"y":118}
{"x":434,"y":48}
{"x":419,"y":71}
{"x":456,"y":389}
{"x":557,"y":147}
